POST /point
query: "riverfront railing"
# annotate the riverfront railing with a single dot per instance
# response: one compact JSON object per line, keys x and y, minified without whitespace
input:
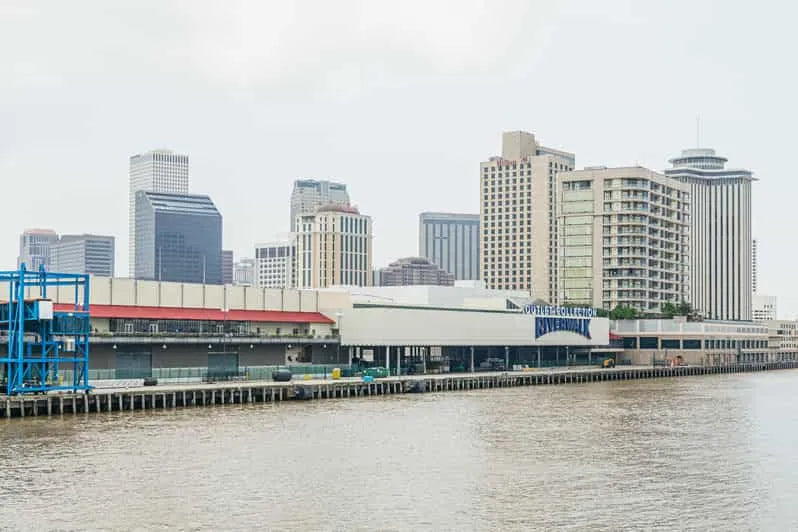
{"x":122,"y":377}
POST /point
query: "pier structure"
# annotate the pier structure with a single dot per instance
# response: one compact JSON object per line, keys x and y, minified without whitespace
{"x":231,"y":393}
{"x":40,"y":340}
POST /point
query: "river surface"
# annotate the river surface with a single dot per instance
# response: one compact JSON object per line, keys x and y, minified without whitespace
{"x":701,"y":453}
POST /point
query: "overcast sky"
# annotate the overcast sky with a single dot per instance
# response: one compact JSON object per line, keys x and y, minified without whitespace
{"x":400,"y":100}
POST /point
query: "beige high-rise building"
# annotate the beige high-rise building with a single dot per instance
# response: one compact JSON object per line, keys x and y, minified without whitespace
{"x":518,"y":216}
{"x":624,"y":238}
{"x":333,"y":247}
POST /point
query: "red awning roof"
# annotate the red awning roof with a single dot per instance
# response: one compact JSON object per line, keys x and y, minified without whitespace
{"x":614,"y":336}
{"x":178,"y":313}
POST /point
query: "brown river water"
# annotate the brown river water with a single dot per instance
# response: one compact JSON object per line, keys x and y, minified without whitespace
{"x":697,"y":453}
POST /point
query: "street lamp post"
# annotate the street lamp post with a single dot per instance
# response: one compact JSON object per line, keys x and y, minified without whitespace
{"x":338,"y":316}
{"x":224,"y":329}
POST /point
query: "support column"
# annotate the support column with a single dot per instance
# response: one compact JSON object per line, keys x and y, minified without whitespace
{"x":538,"y":357}
{"x":398,"y":360}
{"x":506,"y":358}
{"x":388,"y":359}
{"x":472,"y":360}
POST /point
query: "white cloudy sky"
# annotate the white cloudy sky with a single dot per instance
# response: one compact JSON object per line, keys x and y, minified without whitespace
{"x":401,"y":100}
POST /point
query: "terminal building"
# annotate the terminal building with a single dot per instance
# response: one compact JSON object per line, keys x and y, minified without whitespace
{"x":703,"y":343}
{"x":141,"y":328}
{"x":140,"y":325}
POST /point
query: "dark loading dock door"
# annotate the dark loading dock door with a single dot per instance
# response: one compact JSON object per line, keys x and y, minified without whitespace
{"x":222,"y":366}
{"x":135,"y":365}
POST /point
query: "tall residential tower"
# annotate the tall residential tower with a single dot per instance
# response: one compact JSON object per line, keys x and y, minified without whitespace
{"x":518,"y":216}
{"x":154,"y":171}
{"x":624,"y":238}
{"x":720,"y":229}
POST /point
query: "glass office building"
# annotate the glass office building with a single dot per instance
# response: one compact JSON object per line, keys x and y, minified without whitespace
{"x":178,"y":238}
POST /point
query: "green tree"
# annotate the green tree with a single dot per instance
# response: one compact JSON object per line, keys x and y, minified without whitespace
{"x":684,"y":308}
{"x":669,"y":310}
{"x":622,"y":312}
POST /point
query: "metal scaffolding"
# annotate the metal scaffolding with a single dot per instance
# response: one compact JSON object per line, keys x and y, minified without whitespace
{"x":44,"y":338}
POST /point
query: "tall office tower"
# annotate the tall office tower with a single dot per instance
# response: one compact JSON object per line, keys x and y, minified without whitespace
{"x":227,"y":266}
{"x":34,"y":248}
{"x":415,"y":271}
{"x":154,"y":171}
{"x":451,"y":241}
{"x":178,"y":238}
{"x":275,"y":264}
{"x":624,"y":238}
{"x":93,"y":254}
{"x":333,"y":247}
{"x":518,"y":216}
{"x":753,"y":266}
{"x":310,"y":194}
{"x":244,"y":272}
{"x":720,"y":230}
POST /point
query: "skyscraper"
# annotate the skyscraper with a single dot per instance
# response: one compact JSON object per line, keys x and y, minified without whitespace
{"x":518,"y":216}
{"x":93,"y":254}
{"x":154,"y":171}
{"x":720,"y":229}
{"x":624,"y":238}
{"x":310,"y":194}
{"x":178,"y":238}
{"x":34,"y":248}
{"x":333,"y":247}
{"x":451,"y":241}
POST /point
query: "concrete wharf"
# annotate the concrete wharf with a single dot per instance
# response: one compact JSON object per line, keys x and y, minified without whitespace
{"x":224,"y":393}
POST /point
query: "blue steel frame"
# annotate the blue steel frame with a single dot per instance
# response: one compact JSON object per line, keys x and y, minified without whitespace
{"x":36,"y":347}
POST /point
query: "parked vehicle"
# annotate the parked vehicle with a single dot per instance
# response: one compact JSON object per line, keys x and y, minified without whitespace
{"x":492,"y":364}
{"x":608,"y":362}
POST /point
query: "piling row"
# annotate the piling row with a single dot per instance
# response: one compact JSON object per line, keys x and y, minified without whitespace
{"x":192,"y":395}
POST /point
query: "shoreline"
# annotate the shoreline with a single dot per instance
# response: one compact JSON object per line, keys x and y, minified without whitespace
{"x":170,"y":396}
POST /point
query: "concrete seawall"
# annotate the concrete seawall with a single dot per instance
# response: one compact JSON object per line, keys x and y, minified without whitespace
{"x":205,"y":394}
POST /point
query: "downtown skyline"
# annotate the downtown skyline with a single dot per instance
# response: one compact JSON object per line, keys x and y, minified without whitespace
{"x":425,"y":123}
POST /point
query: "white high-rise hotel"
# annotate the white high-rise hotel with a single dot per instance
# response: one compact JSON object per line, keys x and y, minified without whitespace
{"x":154,"y":171}
{"x":720,"y":233}
{"x":518,"y":216}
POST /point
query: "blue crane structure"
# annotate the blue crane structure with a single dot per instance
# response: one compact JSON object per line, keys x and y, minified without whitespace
{"x":42,"y":341}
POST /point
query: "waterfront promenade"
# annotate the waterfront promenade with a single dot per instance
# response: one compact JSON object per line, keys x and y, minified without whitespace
{"x":225,"y":393}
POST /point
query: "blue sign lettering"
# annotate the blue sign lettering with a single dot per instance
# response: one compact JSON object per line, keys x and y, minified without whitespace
{"x":548,"y":310}
{"x":546,"y":325}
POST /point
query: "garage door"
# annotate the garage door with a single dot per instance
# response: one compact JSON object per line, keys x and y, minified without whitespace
{"x":222,"y":366}
{"x":134,"y":365}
